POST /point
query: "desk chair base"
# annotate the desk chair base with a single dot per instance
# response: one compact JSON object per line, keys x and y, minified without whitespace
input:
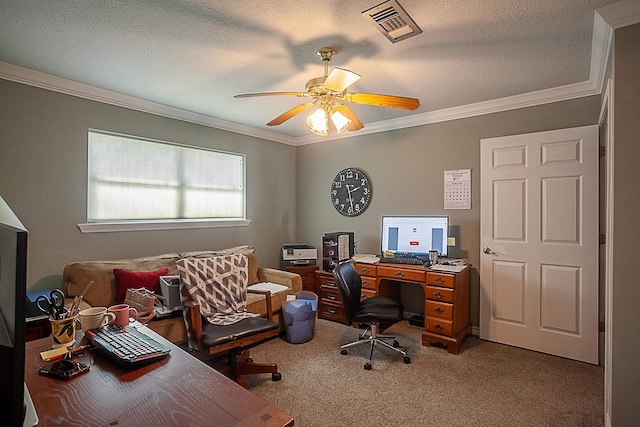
{"x":241,"y":364}
{"x":374,"y":339}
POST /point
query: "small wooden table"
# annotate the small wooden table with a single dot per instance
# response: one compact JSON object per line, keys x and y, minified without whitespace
{"x":178,"y":390}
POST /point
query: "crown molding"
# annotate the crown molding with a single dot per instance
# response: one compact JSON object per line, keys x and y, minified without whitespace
{"x":600,"y":50}
{"x":621,"y":14}
{"x":606,"y":19}
{"x":82,"y":90}
{"x":545,"y":96}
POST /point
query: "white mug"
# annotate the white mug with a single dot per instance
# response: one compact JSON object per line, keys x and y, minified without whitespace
{"x":95,"y":317}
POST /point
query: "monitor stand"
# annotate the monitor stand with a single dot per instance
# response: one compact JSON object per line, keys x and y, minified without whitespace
{"x":30,"y":418}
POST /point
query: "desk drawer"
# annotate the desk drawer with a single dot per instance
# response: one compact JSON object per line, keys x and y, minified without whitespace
{"x":329,"y":293}
{"x":325,"y":278}
{"x":366,"y":269}
{"x":331,"y":310}
{"x":368,"y":293}
{"x":438,"y":294}
{"x":439,"y":279}
{"x":438,"y":325}
{"x":370,"y":283}
{"x":439,"y":309}
{"x":402,"y":273}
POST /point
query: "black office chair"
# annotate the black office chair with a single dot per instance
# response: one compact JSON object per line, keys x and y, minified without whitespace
{"x":374,"y":312}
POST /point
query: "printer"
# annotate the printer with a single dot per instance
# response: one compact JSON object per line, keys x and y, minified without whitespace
{"x":299,"y":254}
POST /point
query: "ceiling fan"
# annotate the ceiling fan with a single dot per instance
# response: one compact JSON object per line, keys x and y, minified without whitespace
{"x":330,"y":94}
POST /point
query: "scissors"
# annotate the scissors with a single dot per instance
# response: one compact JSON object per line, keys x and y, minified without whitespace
{"x":53,"y":305}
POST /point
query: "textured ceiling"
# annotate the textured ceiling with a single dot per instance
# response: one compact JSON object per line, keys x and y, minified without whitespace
{"x":195,"y":55}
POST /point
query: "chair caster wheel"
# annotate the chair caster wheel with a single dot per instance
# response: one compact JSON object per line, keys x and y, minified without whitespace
{"x":367,"y":366}
{"x":343,"y":351}
{"x":249,"y":360}
{"x":406,"y":359}
{"x":276,"y":376}
{"x":396,"y":344}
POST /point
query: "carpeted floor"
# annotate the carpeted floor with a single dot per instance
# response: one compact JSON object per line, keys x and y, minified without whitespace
{"x":486,"y":384}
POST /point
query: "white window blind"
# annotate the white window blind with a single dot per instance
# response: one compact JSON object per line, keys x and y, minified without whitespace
{"x":137,"y":179}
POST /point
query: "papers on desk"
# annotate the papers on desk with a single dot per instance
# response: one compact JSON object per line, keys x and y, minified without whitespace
{"x":367,"y":259}
{"x":449,"y":268}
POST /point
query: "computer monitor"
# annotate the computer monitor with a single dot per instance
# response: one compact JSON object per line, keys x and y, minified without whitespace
{"x":415,"y":235}
{"x":16,"y":408}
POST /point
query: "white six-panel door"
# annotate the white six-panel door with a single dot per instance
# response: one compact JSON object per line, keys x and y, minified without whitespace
{"x":539,"y":242}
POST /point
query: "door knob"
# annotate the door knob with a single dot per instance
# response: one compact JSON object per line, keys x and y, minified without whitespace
{"x":487,"y":250}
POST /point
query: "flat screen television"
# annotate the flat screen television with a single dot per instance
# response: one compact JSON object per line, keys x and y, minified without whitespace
{"x":415,"y":235}
{"x":15,"y":404}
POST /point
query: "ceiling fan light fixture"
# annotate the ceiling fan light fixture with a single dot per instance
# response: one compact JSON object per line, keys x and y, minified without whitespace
{"x":340,"y":121}
{"x":318,"y":122}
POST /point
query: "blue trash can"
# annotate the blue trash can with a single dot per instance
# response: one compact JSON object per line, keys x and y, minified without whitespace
{"x":300,"y":317}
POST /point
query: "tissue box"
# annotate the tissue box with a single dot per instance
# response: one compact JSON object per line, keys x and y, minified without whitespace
{"x":170,"y":288}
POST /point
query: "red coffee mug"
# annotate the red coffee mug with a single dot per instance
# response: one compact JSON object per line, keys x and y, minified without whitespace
{"x":122,"y":313}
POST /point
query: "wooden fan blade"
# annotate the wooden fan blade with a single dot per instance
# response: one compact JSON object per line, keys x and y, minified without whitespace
{"x":356,"y":124}
{"x":339,"y":79}
{"x":288,"y":114}
{"x":249,"y":95}
{"x":383,"y":100}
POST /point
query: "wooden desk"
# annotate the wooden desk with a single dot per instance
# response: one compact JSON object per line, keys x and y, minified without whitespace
{"x":179,"y":390}
{"x":446,"y":302}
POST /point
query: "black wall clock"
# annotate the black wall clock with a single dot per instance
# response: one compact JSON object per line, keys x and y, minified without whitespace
{"x":351,"y":192}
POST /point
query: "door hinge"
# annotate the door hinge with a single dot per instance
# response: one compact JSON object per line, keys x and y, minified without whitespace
{"x":602,"y":238}
{"x":602,"y":150}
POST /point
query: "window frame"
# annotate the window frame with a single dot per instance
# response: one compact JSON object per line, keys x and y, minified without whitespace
{"x":163,"y":224}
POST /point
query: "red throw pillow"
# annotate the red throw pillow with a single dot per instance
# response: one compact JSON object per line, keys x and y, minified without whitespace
{"x":126,"y":279}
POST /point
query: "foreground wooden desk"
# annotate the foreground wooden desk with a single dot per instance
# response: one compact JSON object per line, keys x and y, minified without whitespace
{"x":179,"y":390}
{"x":446,"y":298}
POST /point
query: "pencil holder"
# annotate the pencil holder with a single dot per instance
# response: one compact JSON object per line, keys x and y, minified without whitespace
{"x":63,"y":331}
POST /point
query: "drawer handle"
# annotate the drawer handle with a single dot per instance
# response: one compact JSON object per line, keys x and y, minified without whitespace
{"x":365,"y":283}
{"x":438,"y":294}
{"x":304,"y":276}
{"x":365,"y":270}
{"x":439,"y":280}
{"x":332,"y":311}
{"x":399,"y":274}
{"x":331,"y":297}
{"x":331,"y":283}
{"x":438,"y":328}
{"x":438,"y":310}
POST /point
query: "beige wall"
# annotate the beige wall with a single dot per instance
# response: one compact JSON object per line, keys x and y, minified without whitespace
{"x":625,"y":363}
{"x":43,"y":178}
{"x":406,"y":168}
{"x":43,"y":152}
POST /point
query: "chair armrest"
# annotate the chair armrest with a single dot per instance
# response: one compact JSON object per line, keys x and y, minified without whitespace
{"x":193,"y":320}
{"x":285,"y":278}
{"x":267,"y":300}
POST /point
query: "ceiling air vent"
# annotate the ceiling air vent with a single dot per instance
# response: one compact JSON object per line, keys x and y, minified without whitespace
{"x":392,"y":21}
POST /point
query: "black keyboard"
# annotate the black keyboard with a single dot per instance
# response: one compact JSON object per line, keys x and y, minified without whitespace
{"x":402,"y":260}
{"x":127,"y":346}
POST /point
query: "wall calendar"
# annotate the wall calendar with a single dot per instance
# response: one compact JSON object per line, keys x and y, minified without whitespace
{"x":457,"y":189}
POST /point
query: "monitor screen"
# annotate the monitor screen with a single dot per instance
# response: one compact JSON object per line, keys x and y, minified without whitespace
{"x":13,"y":293}
{"x":415,"y":235}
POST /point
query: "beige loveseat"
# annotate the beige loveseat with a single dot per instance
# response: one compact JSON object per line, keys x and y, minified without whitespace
{"x":102,"y":292}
